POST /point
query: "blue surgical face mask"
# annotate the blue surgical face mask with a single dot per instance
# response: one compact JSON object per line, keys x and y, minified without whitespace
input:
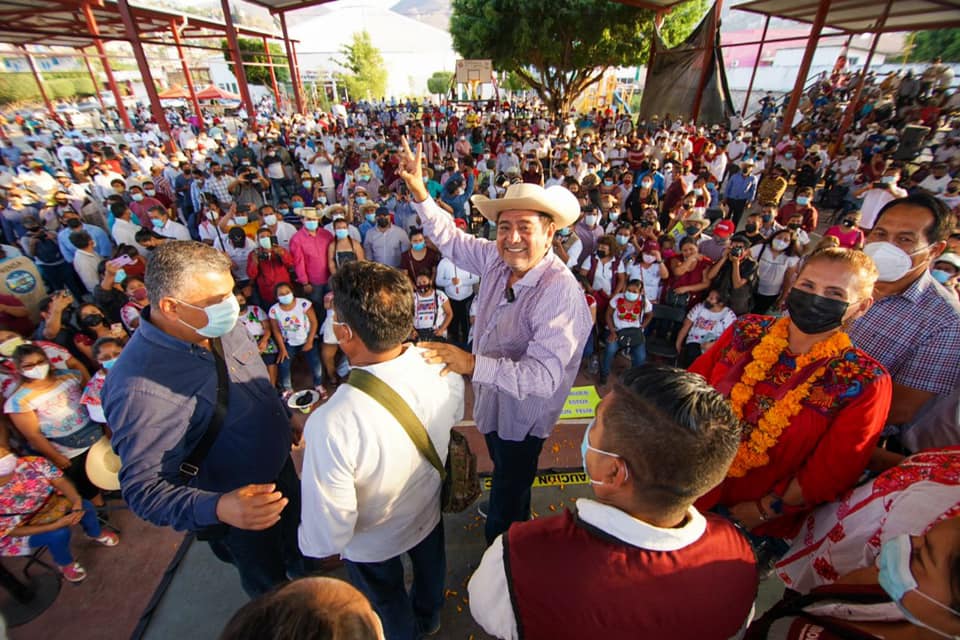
{"x":585,"y":446}
{"x":940,"y":276}
{"x":284,"y":211}
{"x":221,"y":317}
{"x":265,"y":242}
{"x":158,"y":223}
{"x":419,"y":246}
{"x":285,"y":299}
{"x":311,"y":225}
{"x":897,"y":579}
{"x":342,"y":233}
{"x":622,"y":240}
{"x":565,"y":232}
{"x":360,"y":200}
{"x":297,"y":205}
{"x":240,"y":220}
{"x":803,"y":201}
{"x":119,"y":276}
{"x":108,"y":364}
{"x":371,"y":217}
{"x":631,"y":296}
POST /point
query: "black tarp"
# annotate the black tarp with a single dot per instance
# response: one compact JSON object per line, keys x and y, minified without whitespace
{"x":675,"y":75}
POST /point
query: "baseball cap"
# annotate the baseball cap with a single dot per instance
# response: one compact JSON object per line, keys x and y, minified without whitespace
{"x":724,"y":229}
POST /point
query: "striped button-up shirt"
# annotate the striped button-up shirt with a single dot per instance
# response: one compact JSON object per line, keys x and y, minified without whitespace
{"x":527,"y":351}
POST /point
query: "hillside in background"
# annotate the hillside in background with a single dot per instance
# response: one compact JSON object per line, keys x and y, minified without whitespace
{"x":436,"y":13}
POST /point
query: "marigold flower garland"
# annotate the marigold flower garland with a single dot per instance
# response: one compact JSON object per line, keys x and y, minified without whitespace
{"x":753,"y":450}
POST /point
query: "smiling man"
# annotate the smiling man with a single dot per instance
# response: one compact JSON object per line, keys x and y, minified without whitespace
{"x":532,"y":323}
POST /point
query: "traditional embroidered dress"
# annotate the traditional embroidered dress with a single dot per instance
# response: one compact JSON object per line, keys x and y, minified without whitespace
{"x":827,"y":444}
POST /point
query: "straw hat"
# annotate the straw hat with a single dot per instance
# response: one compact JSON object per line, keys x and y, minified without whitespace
{"x":556,"y":201}
{"x":310,"y":212}
{"x":332,"y":209}
{"x":103,"y":465}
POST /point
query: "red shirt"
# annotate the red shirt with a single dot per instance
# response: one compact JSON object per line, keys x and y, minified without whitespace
{"x":810,"y":215}
{"x":269,"y":273}
{"x":827,"y":445}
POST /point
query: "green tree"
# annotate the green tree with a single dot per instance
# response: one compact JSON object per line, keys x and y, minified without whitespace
{"x":514,"y":83}
{"x":927,"y":45}
{"x":253,"y":55}
{"x":365,"y":77}
{"x":562,"y":47}
{"x":439,"y":83}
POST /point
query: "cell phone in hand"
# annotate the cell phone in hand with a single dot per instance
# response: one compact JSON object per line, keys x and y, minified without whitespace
{"x":122,"y":261}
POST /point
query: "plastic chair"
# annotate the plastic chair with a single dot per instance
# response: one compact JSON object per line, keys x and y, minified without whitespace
{"x":661,"y":343}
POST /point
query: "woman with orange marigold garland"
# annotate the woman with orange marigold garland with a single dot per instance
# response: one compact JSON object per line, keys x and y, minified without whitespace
{"x":813,"y":405}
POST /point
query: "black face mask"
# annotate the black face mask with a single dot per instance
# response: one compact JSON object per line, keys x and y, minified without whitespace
{"x":793,"y":225}
{"x":92,"y":320}
{"x":423,"y":289}
{"x":692,"y":231}
{"x":602,"y":254}
{"x":383,"y":223}
{"x":849,"y":223}
{"x":751,"y":228}
{"x":74,"y":223}
{"x":814,"y":314}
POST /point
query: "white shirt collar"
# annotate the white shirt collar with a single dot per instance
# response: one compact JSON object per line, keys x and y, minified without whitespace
{"x":638,"y":533}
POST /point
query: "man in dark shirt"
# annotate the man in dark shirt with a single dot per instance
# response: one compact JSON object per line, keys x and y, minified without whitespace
{"x":160,"y":399}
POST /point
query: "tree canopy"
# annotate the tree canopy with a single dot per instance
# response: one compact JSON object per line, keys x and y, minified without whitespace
{"x":251,"y":51}
{"x":560,"y":48}
{"x":439,"y":82}
{"x":365,"y":76}
{"x":927,"y":45}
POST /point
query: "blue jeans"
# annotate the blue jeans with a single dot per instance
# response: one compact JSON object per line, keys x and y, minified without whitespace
{"x":313,"y":359}
{"x":638,"y":355}
{"x":58,"y":541}
{"x":403,"y":615}
{"x":269,"y":557}
{"x":514,"y":468}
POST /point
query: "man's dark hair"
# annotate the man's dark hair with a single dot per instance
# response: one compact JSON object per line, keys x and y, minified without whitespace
{"x":305,"y":609}
{"x":80,"y":239}
{"x":675,"y":432}
{"x":375,"y":301}
{"x":943,"y":219}
{"x":118,"y":209}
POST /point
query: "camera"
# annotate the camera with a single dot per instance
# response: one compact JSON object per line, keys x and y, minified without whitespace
{"x":736,"y":252}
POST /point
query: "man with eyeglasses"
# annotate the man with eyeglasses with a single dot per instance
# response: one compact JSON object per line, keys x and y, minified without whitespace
{"x":913,"y":329}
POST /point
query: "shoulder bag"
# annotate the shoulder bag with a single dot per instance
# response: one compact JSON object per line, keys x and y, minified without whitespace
{"x":461,"y":485}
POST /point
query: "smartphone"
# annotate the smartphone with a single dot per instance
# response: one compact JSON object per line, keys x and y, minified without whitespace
{"x":122,"y":261}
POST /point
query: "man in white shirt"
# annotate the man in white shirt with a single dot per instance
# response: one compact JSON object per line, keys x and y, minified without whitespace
{"x":368,"y":493}
{"x":936,"y":183}
{"x":163,"y":225}
{"x":85,"y":260}
{"x":124,"y":230}
{"x":875,"y":196}
{"x":279,"y":229}
{"x":458,"y":284}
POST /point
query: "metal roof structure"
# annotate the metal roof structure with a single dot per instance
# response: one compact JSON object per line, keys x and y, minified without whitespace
{"x":61,"y":23}
{"x":863,"y":16}
{"x":284,"y":6}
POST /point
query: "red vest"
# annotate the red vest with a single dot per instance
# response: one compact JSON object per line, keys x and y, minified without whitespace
{"x":568,"y":579}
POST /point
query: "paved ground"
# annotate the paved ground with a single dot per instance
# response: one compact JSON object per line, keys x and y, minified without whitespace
{"x":205,"y":592}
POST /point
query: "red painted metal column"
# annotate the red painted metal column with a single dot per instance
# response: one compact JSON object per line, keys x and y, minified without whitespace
{"x":39,"y":80}
{"x":292,"y":63}
{"x":186,"y":70}
{"x":756,"y":63}
{"x":804,"y":69}
{"x":303,"y":91}
{"x":94,"y":79}
{"x":851,"y":109}
{"x":237,"y":56}
{"x":707,"y":60}
{"x":273,"y":75}
{"x":146,"y":75}
{"x":94,"y":30}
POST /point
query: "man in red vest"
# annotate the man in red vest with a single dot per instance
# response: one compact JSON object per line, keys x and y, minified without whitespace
{"x":638,"y":560}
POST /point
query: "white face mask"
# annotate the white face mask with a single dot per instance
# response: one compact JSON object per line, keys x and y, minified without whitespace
{"x":649,"y":259}
{"x":8,"y":464}
{"x":37,"y":372}
{"x":590,"y":220}
{"x":780,"y":245}
{"x":892,"y":262}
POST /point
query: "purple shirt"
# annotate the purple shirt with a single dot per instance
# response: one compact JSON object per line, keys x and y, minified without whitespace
{"x":527,"y":351}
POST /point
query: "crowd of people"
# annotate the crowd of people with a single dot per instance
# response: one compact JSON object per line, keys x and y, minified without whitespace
{"x":807,"y":285}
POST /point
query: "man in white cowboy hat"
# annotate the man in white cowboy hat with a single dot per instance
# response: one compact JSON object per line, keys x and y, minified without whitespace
{"x":531,"y":325}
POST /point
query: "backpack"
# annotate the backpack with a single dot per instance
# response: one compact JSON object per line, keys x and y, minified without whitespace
{"x":47,"y":251}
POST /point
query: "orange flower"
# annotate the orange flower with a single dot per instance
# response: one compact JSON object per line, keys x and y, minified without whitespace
{"x":753,"y":449}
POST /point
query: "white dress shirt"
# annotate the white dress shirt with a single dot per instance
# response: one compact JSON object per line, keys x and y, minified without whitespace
{"x":125,"y":232}
{"x":447,"y":271}
{"x":174,"y":230}
{"x":368,"y":494}
{"x":489,"y":590}
{"x":85,"y":264}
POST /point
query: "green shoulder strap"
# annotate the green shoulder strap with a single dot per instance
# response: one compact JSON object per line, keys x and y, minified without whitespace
{"x":399,"y":409}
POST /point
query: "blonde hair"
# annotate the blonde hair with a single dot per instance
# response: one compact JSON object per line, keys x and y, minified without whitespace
{"x":856,"y":261}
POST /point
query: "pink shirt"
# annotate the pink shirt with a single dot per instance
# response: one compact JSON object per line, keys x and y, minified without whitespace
{"x":310,"y":255}
{"x":848,"y":239}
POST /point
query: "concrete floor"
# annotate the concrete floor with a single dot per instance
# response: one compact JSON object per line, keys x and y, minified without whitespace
{"x":206,"y":592}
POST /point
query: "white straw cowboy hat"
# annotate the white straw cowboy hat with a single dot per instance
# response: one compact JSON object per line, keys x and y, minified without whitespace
{"x":103,"y":465}
{"x":556,"y":201}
